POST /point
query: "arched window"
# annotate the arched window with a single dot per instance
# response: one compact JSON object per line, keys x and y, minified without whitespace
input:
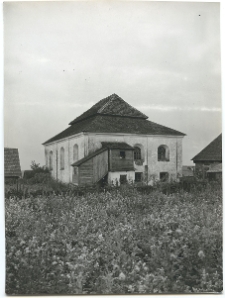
{"x":75,"y":153}
{"x":46,"y":158}
{"x":163,"y":153}
{"x":62,"y":158}
{"x":50,"y":160}
{"x":137,"y":153}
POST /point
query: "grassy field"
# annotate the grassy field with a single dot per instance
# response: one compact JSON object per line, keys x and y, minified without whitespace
{"x":115,"y":242}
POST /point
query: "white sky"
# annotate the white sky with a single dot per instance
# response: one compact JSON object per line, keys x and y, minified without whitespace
{"x":62,"y":57}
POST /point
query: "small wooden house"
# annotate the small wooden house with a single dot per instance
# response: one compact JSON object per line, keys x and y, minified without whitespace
{"x":208,"y":158}
{"x":12,"y":168}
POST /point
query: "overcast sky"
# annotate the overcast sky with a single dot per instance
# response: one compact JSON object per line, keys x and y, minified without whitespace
{"x":163,"y":58}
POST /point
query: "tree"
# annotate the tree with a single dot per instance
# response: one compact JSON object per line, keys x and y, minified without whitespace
{"x":37,"y":168}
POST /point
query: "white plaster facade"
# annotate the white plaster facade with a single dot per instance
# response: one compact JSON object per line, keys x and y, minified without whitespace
{"x":90,"y":142}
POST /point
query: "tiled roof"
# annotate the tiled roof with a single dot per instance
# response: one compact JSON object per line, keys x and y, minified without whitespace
{"x":111,"y":105}
{"x":117,"y":145}
{"x":212,"y":152}
{"x":115,"y":124}
{"x":215,"y":168}
{"x":12,"y":162}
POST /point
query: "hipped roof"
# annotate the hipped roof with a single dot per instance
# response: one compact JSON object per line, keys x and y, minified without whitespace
{"x":12,"y":163}
{"x":212,"y":152}
{"x":114,"y":115}
{"x":111,"y":105}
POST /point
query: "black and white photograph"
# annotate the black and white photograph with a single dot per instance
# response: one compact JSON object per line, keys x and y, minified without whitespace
{"x":112,"y":148}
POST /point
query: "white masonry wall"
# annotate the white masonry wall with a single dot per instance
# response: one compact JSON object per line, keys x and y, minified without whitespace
{"x":149,"y":145}
{"x":114,"y":177}
{"x":90,"y":142}
{"x":64,"y":175}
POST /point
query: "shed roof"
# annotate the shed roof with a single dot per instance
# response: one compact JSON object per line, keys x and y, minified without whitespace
{"x":212,"y":152}
{"x":12,"y":162}
{"x":82,"y":160}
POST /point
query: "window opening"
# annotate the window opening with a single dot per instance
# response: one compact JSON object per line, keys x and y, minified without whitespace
{"x":122,"y":154}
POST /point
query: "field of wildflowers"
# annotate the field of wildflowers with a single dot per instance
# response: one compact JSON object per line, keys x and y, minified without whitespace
{"x":115,"y":242}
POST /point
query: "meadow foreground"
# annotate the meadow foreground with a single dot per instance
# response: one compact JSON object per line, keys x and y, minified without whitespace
{"x":115,"y":242}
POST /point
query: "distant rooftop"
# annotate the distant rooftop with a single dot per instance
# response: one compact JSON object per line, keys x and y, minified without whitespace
{"x":12,"y":163}
{"x":212,"y":152}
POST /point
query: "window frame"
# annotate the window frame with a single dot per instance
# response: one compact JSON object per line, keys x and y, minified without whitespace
{"x":163,"y":156}
{"x":137,"y":153}
{"x":75,"y":152}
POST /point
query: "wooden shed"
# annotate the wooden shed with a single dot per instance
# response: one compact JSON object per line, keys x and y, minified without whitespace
{"x":92,"y":168}
{"x":112,"y":157}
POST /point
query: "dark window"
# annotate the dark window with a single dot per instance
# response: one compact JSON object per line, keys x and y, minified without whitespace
{"x":137,"y":153}
{"x":123,"y":179}
{"x":164,"y":176}
{"x":50,"y":160}
{"x":122,"y":154}
{"x":138,"y":177}
{"x":163,"y":153}
{"x":62,"y":158}
{"x":75,"y":153}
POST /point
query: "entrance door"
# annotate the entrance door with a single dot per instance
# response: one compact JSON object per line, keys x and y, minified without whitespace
{"x":75,"y":175}
{"x":123,"y":179}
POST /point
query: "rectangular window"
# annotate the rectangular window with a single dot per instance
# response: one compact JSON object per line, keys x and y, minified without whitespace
{"x":123,"y":179}
{"x":138,"y":177}
{"x":164,"y":176}
{"x":122,"y":155}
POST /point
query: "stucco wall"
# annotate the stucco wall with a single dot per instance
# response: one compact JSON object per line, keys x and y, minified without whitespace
{"x":114,"y":177}
{"x":149,"y":146}
{"x":66,"y":174}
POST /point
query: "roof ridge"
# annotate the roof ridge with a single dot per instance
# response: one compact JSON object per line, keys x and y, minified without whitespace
{"x":109,"y":106}
{"x":106,"y":104}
